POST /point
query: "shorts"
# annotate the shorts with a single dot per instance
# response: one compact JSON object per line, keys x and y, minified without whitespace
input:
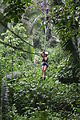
{"x":44,"y":64}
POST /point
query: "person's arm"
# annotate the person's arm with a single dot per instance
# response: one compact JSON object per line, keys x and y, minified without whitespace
{"x":41,"y":55}
{"x":47,"y":58}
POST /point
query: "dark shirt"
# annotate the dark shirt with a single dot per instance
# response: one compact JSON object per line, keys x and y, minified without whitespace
{"x":43,"y":60}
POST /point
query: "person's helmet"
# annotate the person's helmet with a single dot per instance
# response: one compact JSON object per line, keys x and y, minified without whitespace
{"x":46,"y":53}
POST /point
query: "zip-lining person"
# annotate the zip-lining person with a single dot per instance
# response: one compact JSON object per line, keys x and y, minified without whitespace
{"x":44,"y":64}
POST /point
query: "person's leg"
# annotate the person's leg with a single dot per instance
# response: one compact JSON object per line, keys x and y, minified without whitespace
{"x":45,"y":72}
{"x":42,"y":69}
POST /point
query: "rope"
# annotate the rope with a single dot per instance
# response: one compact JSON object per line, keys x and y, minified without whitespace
{"x":20,"y":49}
{"x":17,"y":48}
{"x":45,"y":11}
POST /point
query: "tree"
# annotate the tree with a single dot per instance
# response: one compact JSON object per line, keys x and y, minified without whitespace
{"x":66,"y":20}
{"x":13,"y":9}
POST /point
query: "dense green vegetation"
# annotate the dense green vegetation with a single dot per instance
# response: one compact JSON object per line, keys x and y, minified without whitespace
{"x":24,"y":96}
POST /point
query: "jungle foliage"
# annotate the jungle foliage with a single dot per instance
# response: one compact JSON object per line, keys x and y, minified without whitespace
{"x":23,"y":95}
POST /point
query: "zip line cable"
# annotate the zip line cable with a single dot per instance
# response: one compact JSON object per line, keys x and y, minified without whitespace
{"x":17,"y":48}
{"x":20,"y":49}
{"x":44,"y":9}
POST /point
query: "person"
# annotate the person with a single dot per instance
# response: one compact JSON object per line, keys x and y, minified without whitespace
{"x":44,"y":64}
